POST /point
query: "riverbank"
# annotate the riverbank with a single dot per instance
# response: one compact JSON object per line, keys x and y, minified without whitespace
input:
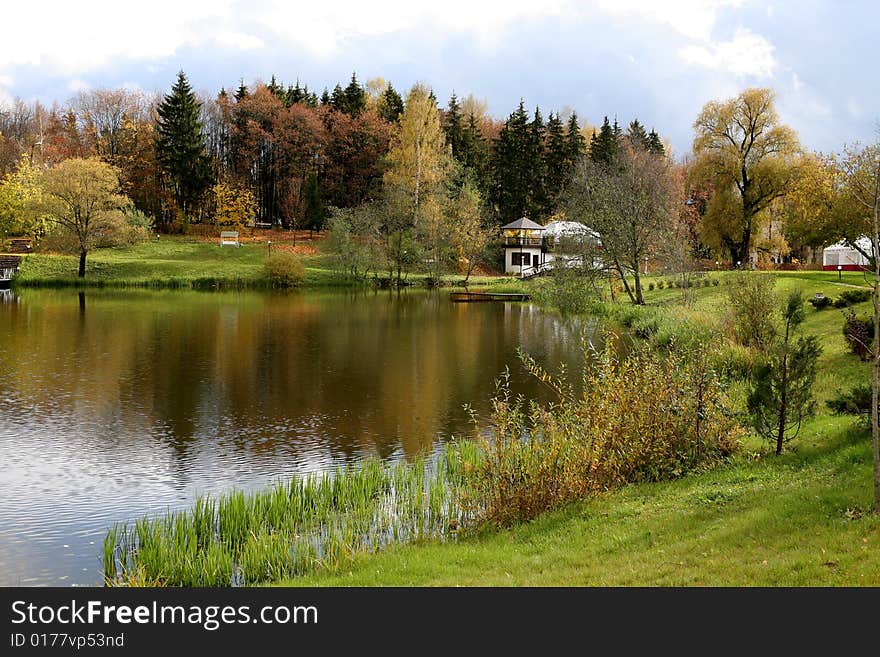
{"x":802,"y":519}
{"x":184,"y":263}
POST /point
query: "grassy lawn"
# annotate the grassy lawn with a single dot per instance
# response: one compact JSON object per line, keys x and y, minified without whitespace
{"x":800,"y":519}
{"x":177,"y":262}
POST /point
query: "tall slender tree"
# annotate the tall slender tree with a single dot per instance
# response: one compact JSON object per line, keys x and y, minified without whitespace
{"x":180,"y":147}
{"x":390,"y":105}
{"x":557,"y":159}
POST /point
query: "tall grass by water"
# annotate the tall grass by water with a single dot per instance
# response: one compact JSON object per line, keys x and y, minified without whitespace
{"x":292,"y":528}
{"x":646,"y":416}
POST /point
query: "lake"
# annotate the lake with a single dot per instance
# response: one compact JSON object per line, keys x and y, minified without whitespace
{"x":117,"y":404}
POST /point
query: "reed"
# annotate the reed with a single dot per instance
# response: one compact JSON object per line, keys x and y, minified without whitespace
{"x":292,"y":528}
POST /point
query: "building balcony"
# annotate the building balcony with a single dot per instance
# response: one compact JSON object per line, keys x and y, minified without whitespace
{"x":524,"y":241}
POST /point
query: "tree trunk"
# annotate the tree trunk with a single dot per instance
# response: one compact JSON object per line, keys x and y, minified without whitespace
{"x":875,"y":345}
{"x":82,"y":263}
{"x":783,"y":402}
{"x":640,"y":298}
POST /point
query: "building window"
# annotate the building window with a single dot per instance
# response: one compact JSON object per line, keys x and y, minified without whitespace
{"x":521,"y":259}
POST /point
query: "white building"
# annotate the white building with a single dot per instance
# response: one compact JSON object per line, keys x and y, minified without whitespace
{"x":530,"y":248}
{"x":523,"y":246}
{"x":844,"y":257}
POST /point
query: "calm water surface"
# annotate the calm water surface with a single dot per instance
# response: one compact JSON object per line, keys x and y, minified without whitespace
{"x":118,"y":404}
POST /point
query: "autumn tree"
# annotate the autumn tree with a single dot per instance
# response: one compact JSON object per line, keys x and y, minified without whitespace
{"x":809,"y":206}
{"x":418,"y":170}
{"x":20,"y":194}
{"x":629,"y":201}
{"x":83,"y":197}
{"x":234,"y":205}
{"x":470,"y":232}
{"x":180,"y":146}
{"x":741,"y":147}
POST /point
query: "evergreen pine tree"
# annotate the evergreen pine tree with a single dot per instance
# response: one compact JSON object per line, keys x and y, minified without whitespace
{"x":557,"y":159}
{"x":337,"y":99}
{"x":511,"y":167}
{"x":654,"y":143}
{"x":538,"y":204}
{"x":604,"y":148}
{"x":241,"y":92}
{"x":355,"y":97}
{"x":576,"y":145}
{"x":475,"y":155}
{"x":391,"y":105}
{"x":314,"y":210}
{"x":637,"y":135}
{"x":452,"y":126}
{"x":180,"y":147}
{"x":276,"y":89}
{"x":616,"y":131}
{"x":325,"y":98}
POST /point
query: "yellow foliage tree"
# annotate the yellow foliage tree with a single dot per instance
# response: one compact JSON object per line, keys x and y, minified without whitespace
{"x":746,"y":154}
{"x":235,"y":206}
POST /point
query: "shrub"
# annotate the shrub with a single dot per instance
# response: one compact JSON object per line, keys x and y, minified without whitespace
{"x":283,"y":270}
{"x":650,"y":287}
{"x":853,"y":402}
{"x":859,"y":334}
{"x":715,"y":282}
{"x":820,"y":301}
{"x":855,"y":296}
{"x":734,"y":362}
{"x":752,"y":309}
{"x":645,"y":417}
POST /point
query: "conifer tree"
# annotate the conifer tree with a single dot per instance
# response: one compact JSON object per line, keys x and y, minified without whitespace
{"x":325,"y":98}
{"x":390,"y":105}
{"x":511,"y":168}
{"x":337,"y":98}
{"x":314,"y":210}
{"x":604,"y":147}
{"x":180,"y":148}
{"x":576,"y":145}
{"x":537,"y":205}
{"x":355,"y":97}
{"x":241,"y":92}
{"x":637,"y":135}
{"x":452,"y":126}
{"x":557,"y":159}
{"x":654,"y":143}
{"x":475,"y":155}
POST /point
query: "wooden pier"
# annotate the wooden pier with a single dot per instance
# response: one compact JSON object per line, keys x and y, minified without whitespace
{"x":466,"y":297}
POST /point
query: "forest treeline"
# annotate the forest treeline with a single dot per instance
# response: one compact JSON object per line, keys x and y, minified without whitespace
{"x":286,"y":155}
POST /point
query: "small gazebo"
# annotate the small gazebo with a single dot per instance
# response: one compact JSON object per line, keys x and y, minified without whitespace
{"x":524,"y":246}
{"x":844,"y":257}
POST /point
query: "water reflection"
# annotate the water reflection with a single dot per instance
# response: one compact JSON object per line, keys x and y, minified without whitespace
{"x":116,"y":404}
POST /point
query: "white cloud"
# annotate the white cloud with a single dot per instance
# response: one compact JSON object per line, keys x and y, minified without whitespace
{"x":78,"y":84}
{"x":694,"y":19}
{"x":746,"y":53}
{"x":74,"y":38}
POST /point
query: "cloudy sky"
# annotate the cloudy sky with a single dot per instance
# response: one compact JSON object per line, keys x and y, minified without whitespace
{"x":658,"y":61}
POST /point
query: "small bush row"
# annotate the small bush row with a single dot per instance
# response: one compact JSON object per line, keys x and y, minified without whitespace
{"x":677,"y":283}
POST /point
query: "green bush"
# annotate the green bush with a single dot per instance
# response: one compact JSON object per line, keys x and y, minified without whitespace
{"x":853,"y":402}
{"x":283,"y":270}
{"x":715,"y":282}
{"x":850,"y":297}
{"x":650,"y":287}
{"x":752,"y":307}
{"x":820,"y":301}
{"x":661,"y":285}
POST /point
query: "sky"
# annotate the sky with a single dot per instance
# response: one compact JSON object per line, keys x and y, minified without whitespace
{"x":657,"y":61}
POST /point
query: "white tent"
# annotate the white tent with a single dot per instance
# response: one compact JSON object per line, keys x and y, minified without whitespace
{"x":846,"y":258}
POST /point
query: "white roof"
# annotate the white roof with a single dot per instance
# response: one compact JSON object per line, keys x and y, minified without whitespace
{"x":863,"y":242}
{"x":569,"y":228}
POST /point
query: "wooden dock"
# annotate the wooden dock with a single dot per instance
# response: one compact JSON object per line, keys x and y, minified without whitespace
{"x":467,"y":297}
